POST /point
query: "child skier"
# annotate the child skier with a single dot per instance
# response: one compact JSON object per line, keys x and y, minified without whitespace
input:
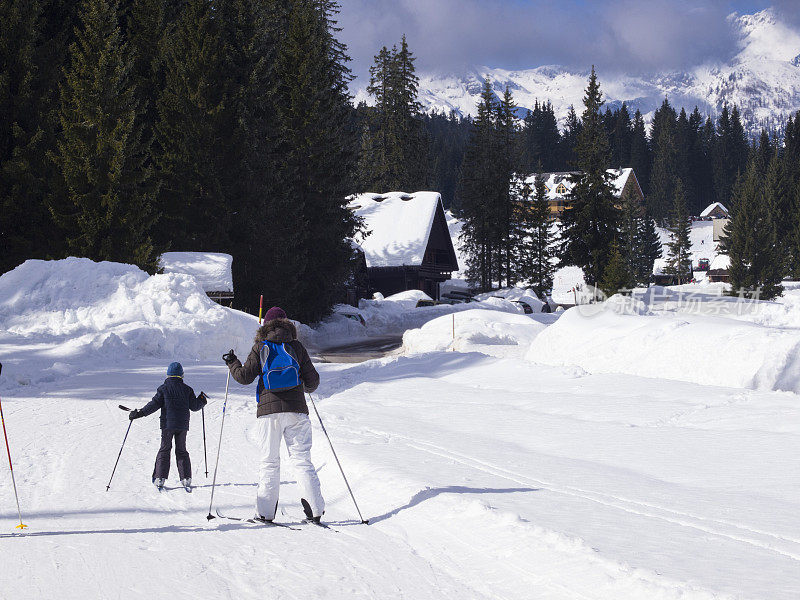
{"x":285,"y":372}
{"x":175,"y":399}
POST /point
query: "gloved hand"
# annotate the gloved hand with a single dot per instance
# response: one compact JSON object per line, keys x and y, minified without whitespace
{"x":230,"y":357}
{"x":134,"y":414}
{"x":203,"y":397}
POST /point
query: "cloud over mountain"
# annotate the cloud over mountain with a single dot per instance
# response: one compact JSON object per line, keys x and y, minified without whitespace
{"x":626,"y":36}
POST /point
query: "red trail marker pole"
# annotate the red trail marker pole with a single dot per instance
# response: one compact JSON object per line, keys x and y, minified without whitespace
{"x":260,"y":308}
{"x":11,"y":466}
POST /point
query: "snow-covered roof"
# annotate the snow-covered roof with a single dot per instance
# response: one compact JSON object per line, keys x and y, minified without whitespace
{"x":710,"y":208}
{"x":212,"y":270}
{"x":559,"y":184}
{"x":400,"y":225}
{"x":659,"y":265}
{"x":720,"y":261}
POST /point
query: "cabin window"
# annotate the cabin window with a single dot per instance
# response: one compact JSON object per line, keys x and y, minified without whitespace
{"x":561,"y":189}
{"x":437,"y":257}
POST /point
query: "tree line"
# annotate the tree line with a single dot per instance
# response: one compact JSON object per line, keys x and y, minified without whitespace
{"x":685,"y":162}
{"x":132,"y":127}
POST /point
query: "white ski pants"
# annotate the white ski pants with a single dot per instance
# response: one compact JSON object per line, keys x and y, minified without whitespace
{"x":295,"y":429}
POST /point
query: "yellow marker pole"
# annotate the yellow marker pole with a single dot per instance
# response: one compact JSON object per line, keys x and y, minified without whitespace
{"x":10,"y":466}
{"x":260,"y":308}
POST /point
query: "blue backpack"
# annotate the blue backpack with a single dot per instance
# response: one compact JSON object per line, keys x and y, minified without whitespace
{"x":281,"y":371}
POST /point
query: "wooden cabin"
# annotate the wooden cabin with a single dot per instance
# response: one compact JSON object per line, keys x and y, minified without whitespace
{"x":408,"y":244}
{"x":719,"y":269}
{"x":559,"y":186}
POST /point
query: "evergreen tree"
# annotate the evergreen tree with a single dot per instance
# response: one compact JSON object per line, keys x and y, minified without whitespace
{"x":251,"y":31}
{"x":380,"y":146}
{"x":109,"y":210}
{"x":616,"y":274}
{"x":684,"y":140}
{"x":414,"y":140}
{"x":23,"y":213}
{"x":648,"y":249}
{"x":589,"y":223}
{"x":700,"y":171}
{"x":540,"y":140}
{"x":621,"y":138}
{"x":197,"y":155}
{"x":477,"y":193}
{"x":789,"y":202}
{"x":448,"y":135}
{"x":630,"y":218}
{"x":641,"y":157}
{"x":756,"y":264}
{"x":534,"y":255}
{"x":506,"y":166}
{"x":318,"y":160}
{"x":665,"y":162}
{"x":730,"y":155}
{"x":394,"y":143}
{"x":569,"y":142}
{"x":35,"y":36}
{"x":147,"y":20}
{"x":679,"y":259}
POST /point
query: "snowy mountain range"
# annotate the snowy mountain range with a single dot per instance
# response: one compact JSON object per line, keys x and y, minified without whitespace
{"x":762,"y":79}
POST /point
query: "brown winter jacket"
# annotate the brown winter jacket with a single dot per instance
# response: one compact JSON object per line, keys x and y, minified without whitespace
{"x":293,"y":400}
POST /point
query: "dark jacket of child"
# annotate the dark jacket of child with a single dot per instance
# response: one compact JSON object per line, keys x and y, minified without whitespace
{"x":175,"y":399}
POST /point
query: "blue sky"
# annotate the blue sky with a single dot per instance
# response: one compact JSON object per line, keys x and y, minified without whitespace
{"x":627,"y":36}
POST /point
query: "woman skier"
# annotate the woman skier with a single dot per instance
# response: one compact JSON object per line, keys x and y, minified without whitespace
{"x":285,"y":372}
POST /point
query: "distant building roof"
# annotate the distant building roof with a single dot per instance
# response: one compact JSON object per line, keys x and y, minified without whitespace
{"x":659,"y":265}
{"x":712,"y":207}
{"x":400,"y":226}
{"x":559,"y":184}
{"x":212,"y":270}
{"x":720,"y":261}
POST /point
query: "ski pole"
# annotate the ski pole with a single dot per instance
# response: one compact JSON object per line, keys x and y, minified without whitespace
{"x":219,"y":447}
{"x":121,"y":447}
{"x":205,"y":455}
{"x":363,"y":520}
{"x":10,"y":466}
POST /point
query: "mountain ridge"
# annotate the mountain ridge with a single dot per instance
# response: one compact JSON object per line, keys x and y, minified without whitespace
{"x":762,"y":79}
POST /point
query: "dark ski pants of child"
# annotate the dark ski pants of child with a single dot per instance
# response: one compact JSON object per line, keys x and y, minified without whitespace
{"x":182,"y":459}
{"x":295,"y":430}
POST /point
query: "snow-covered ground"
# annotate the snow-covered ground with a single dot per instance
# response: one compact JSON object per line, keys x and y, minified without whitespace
{"x":482,"y":476}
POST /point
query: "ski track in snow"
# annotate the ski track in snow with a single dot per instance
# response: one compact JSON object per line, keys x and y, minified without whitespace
{"x":483,"y":478}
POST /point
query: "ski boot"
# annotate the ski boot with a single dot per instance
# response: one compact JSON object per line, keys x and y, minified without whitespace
{"x":308,"y":512}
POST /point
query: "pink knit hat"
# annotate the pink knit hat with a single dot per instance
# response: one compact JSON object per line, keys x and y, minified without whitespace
{"x":275,"y":312}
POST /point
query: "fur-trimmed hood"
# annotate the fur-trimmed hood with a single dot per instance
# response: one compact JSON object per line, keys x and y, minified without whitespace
{"x":277,"y":330}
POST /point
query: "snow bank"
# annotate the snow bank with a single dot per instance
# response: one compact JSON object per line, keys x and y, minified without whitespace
{"x":409,"y":298}
{"x":514,"y":294}
{"x":695,"y":348}
{"x":391,"y":316}
{"x":81,"y":312}
{"x":476,"y":330}
{"x":212,"y":270}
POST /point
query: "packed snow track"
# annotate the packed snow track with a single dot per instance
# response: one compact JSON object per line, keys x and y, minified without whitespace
{"x":482,"y":478}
